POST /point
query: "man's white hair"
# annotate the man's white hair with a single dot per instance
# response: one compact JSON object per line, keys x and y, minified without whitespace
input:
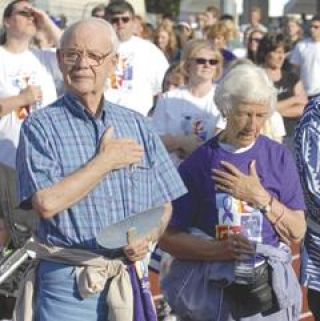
{"x":244,"y":82}
{"x":110,"y":33}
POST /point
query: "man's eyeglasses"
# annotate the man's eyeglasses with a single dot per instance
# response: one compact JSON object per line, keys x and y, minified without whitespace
{"x":204,"y":61}
{"x":24,"y":13}
{"x":122,"y":19}
{"x":71,"y":56}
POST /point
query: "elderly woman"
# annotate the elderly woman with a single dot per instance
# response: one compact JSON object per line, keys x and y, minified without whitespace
{"x":230,"y":233}
{"x":187,"y":116}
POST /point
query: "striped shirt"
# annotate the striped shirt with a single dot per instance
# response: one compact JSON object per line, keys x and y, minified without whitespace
{"x":307,"y":143}
{"x":60,"y":139}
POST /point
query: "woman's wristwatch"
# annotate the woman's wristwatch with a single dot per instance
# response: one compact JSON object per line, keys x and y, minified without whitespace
{"x":267,"y":207}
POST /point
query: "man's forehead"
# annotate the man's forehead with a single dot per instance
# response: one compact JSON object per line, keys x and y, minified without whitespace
{"x":90,"y":35}
{"x":121,"y":14}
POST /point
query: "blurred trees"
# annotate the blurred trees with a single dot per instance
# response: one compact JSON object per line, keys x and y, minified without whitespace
{"x":163,"y":6}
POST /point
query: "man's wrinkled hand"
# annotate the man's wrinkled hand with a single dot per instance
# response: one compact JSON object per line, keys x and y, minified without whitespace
{"x":119,"y":152}
{"x":136,"y":250}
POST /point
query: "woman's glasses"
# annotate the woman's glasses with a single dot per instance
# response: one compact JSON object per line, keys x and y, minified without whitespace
{"x":204,"y":61}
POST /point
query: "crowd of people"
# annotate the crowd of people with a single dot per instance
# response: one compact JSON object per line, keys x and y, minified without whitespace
{"x":215,"y":124}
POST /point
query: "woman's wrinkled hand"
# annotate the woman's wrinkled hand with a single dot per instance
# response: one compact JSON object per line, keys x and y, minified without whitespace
{"x":236,"y":247}
{"x":244,"y":187}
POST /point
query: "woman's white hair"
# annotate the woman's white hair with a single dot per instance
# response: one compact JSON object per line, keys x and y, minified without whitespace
{"x":110,"y":33}
{"x":244,"y":82}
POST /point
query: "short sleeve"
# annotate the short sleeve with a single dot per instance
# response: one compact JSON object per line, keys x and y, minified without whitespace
{"x":160,"y":118}
{"x":185,"y":207}
{"x":36,"y":164}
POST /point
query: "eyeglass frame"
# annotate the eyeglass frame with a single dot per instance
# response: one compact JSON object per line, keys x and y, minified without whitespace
{"x":117,"y":19}
{"x":81,"y":54}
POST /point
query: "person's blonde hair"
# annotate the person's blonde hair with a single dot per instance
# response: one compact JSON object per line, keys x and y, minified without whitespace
{"x":172,"y":46}
{"x":218,"y":29}
{"x":231,"y":29}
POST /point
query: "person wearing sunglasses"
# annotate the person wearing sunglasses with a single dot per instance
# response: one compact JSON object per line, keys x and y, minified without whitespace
{"x":230,"y":234}
{"x":187,"y":116}
{"x":305,"y":58}
{"x":28,"y":79}
{"x":141,"y":64}
{"x":254,"y":38}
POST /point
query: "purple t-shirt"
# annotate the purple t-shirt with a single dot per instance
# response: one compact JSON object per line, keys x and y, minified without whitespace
{"x":199,"y":208}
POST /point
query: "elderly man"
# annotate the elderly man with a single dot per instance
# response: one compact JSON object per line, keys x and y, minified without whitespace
{"x":84,"y":164}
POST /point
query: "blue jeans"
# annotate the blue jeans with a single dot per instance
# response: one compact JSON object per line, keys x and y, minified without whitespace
{"x":57,"y":296}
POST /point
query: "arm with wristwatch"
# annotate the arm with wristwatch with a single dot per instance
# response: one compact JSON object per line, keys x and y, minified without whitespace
{"x":289,"y":223}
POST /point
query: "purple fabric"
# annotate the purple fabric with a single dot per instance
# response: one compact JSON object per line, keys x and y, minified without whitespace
{"x":275,"y":167}
{"x":143,"y":305}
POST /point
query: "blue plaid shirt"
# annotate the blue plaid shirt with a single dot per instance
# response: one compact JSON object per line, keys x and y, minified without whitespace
{"x":58,"y":140}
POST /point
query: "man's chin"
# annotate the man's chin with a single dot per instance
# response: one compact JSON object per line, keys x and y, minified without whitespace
{"x":81,"y":90}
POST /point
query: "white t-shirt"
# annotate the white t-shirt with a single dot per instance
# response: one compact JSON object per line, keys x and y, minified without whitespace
{"x":138,"y":76}
{"x":32,"y":67}
{"x":306,"y":54}
{"x":174,"y":106}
